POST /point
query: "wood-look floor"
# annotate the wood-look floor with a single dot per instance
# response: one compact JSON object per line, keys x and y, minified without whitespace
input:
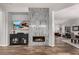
{"x":61,"y":48}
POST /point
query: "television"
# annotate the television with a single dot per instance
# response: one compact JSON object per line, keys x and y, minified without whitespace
{"x":20,"y":24}
{"x":75,"y":28}
{"x":17,"y":23}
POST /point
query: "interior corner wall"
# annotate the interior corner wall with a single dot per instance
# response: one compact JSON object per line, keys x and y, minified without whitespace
{"x":1,"y":17}
{"x":7,"y":29}
{"x":3,"y":28}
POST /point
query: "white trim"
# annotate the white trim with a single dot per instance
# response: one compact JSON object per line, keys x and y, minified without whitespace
{"x":4,"y":45}
{"x":53,"y":27}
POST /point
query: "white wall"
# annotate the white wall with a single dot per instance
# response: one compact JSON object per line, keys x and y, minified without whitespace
{"x":17,"y":9}
{"x":3,"y":28}
{"x":1,"y":22}
{"x":69,"y":22}
{"x":72,"y":22}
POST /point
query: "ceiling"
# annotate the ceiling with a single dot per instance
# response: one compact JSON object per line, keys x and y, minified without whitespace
{"x":54,"y":6}
{"x":67,"y":14}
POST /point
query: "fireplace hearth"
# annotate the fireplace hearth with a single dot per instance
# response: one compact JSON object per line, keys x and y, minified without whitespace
{"x":38,"y":38}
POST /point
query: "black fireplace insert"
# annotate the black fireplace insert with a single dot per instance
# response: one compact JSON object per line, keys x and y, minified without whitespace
{"x":38,"y":38}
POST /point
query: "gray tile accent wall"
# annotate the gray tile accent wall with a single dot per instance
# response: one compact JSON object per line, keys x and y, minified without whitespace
{"x":38,"y":17}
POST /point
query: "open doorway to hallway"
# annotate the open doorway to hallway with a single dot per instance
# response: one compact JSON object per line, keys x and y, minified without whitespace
{"x":66,"y":25}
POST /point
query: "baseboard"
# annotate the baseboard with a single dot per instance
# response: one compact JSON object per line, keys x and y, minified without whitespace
{"x":52,"y":45}
{"x":4,"y":45}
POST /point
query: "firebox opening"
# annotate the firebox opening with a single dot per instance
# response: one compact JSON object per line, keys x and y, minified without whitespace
{"x":38,"y":38}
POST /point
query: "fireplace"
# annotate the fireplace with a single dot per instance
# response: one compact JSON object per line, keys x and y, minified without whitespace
{"x":38,"y":38}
